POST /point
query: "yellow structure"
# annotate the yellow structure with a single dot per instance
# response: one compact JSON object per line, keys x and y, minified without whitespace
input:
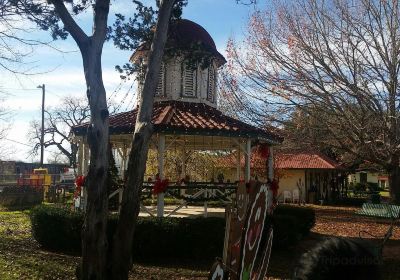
{"x":41,"y":175}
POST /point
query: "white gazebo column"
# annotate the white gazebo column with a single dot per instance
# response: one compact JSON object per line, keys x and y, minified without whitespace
{"x":125,"y":160}
{"x":80,"y":158}
{"x":238,"y":163}
{"x":184,"y":157}
{"x":247,"y":161}
{"x":160,"y":196}
{"x":86,"y":157}
{"x":85,"y":170}
{"x":123,"y":153}
{"x":271,"y":163}
{"x":270,"y":176}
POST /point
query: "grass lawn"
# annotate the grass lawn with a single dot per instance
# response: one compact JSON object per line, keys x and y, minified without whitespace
{"x":21,"y":257}
{"x":385,"y":194}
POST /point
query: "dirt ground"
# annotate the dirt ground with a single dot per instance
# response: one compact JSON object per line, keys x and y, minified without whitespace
{"x":341,"y":222}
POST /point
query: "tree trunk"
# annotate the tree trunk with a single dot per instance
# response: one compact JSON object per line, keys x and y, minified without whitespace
{"x":130,"y":206}
{"x":394,"y":179}
{"x":94,"y":237}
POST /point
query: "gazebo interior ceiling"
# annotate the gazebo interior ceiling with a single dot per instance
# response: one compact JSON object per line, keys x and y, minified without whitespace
{"x":187,"y":142}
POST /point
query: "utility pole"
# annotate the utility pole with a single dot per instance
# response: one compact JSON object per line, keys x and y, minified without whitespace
{"x":42,"y":130}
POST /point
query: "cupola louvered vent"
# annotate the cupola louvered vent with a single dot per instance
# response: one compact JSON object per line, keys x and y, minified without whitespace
{"x":212,"y":80}
{"x":160,"y":90}
{"x":189,"y":80}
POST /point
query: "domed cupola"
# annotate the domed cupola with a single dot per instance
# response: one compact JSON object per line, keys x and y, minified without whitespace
{"x":190,"y":65}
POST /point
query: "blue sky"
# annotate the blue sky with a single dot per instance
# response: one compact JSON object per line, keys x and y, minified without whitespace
{"x":63,"y":75}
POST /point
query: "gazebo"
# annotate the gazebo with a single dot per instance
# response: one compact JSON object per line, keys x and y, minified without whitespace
{"x":185,"y":116}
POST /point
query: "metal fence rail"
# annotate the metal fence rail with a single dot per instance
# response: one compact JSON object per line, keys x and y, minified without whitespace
{"x":15,"y":179}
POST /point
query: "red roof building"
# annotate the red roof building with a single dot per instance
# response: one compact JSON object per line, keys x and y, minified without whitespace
{"x":314,"y":175}
{"x":305,"y":161}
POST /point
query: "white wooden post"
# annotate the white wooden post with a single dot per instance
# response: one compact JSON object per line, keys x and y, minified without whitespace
{"x":160,"y":196}
{"x":86,"y":157}
{"x":205,"y":203}
{"x":271,"y":163}
{"x":270,"y":175}
{"x":183,"y":173}
{"x":124,"y":159}
{"x":120,"y":199}
{"x":247,"y":160}
{"x":238,"y":163}
{"x":80,"y":158}
{"x":122,"y":152}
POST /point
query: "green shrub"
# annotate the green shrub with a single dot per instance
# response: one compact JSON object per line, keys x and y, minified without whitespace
{"x":57,"y":228}
{"x":19,"y":197}
{"x":286,"y":231}
{"x":304,"y":217}
{"x":160,"y":239}
{"x":375,"y":198}
{"x":178,"y":238}
{"x":373,"y":187}
{"x":358,"y":187}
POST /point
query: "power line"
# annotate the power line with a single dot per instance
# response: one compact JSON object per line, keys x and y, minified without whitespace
{"x":24,"y":89}
{"x":15,"y":141}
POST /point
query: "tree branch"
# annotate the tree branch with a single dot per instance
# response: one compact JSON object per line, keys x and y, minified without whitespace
{"x":69,"y":23}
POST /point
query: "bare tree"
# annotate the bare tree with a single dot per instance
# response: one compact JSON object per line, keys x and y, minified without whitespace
{"x":16,"y":46}
{"x":338,"y":62}
{"x":57,"y":158}
{"x":58,"y":123}
{"x":71,"y":111}
{"x":10,"y":55}
{"x":48,"y":16}
{"x":6,"y":118}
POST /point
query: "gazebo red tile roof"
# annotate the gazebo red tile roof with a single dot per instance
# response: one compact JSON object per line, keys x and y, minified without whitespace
{"x":178,"y":117}
{"x":305,"y":161}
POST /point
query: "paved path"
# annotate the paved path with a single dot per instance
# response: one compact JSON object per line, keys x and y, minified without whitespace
{"x":189,"y":211}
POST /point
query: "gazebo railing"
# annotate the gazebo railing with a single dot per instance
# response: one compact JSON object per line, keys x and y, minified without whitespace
{"x":194,"y":185}
{"x":200,"y":192}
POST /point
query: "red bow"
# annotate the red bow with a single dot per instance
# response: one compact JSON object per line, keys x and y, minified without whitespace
{"x":160,"y":186}
{"x":80,"y":181}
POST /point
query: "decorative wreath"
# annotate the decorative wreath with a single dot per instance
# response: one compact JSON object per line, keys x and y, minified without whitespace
{"x":160,"y":186}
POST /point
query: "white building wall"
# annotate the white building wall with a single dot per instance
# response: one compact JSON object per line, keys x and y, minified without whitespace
{"x":288,"y":180}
